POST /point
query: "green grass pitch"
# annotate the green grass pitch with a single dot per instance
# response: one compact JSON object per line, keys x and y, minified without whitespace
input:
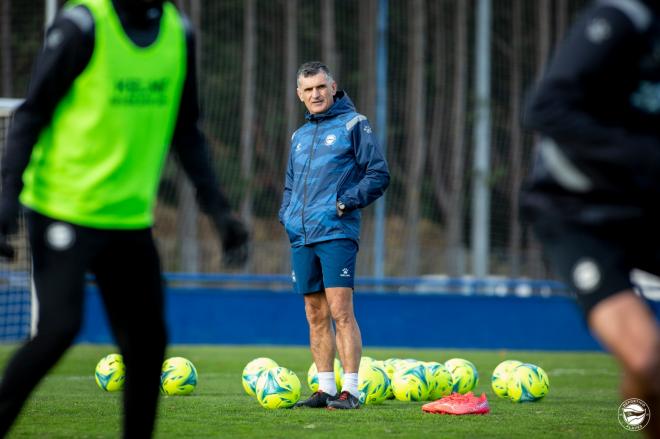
{"x":582,"y":402}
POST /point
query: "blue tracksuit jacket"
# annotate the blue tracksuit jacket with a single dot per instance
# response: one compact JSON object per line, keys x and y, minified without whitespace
{"x":333,"y":157}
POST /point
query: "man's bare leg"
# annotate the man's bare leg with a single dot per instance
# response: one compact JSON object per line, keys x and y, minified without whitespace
{"x":627,"y":328}
{"x":349,"y":339}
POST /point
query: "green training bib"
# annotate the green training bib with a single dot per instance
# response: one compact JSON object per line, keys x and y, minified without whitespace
{"x":98,"y":163}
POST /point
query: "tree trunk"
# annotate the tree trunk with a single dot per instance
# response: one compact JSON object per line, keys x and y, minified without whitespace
{"x":437,"y":127}
{"x":368,"y":10}
{"x":515,"y":153}
{"x":329,"y":38}
{"x":291,"y":107}
{"x":455,"y":251}
{"x":561,"y":19}
{"x":248,"y":88}
{"x":536,"y":266}
{"x":187,"y":229}
{"x":544,"y":15}
{"x":291,"y":102}
{"x":5,"y":49}
{"x":415,"y":121}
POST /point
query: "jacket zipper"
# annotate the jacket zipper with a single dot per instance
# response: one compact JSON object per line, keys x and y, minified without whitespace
{"x":309,"y":167}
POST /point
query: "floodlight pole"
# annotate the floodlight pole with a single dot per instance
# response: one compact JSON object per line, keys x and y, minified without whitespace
{"x":482,"y":132}
{"x":381,"y":127}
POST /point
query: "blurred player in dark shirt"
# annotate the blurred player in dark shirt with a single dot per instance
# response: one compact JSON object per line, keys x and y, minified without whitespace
{"x":593,"y":195}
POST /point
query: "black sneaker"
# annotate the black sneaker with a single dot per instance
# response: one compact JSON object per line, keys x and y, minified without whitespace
{"x":344,"y":401}
{"x":317,"y":400}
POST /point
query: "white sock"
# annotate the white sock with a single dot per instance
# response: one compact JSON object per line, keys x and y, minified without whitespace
{"x":327,"y":383}
{"x":351,"y":384}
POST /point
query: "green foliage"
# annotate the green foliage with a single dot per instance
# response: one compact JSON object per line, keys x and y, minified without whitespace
{"x":582,"y":402}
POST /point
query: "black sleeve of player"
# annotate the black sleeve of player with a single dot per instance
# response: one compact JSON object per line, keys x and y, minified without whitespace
{"x":559,"y":105}
{"x":190,"y":145}
{"x":67,"y":50}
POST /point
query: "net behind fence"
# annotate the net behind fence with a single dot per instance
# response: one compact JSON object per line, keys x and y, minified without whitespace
{"x":15,"y":300}
{"x":248,"y":52}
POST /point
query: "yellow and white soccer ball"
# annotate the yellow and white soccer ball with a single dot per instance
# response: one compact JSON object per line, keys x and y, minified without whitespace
{"x":277,"y":388}
{"x":110,"y":373}
{"x":410,"y":384}
{"x":252,"y":371}
{"x":464,"y":375}
{"x":400,"y":364}
{"x":440,"y":380}
{"x":178,"y":376}
{"x":364,"y":361}
{"x":389,"y":367}
{"x":313,"y":376}
{"x":389,"y":371}
{"x":499,"y":381}
{"x":373,"y":384}
{"x":528,"y":382}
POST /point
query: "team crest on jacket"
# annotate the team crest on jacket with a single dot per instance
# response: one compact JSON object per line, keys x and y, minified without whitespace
{"x":330,"y":139}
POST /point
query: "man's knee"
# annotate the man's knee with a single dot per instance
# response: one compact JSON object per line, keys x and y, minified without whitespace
{"x":343,"y":316}
{"x":317,"y":310}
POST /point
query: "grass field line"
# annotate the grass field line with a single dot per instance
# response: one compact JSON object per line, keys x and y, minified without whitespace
{"x":91,"y":376}
{"x":582,"y":372}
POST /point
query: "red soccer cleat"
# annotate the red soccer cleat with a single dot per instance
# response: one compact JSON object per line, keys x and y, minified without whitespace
{"x":457,"y":404}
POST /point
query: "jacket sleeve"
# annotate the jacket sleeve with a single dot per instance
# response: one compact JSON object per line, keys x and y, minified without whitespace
{"x":288,"y":187}
{"x":371,"y":166}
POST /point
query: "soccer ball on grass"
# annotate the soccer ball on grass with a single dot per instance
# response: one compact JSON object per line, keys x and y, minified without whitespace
{"x":277,"y":388}
{"x":464,"y":375}
{"x":499,"y":381}
{"x":440,"y":380}
{"x":110,"y":373}
{"x":527,"y":383}
{"x":373,"y":384}
{"x":252,"y":371}
{"x":411,"y":383}
{"x":178,"y":376}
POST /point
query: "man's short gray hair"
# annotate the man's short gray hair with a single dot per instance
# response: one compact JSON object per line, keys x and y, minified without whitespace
{"x":312,"y":68}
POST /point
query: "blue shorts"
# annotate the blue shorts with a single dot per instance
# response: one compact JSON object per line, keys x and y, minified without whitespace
{"x":327,"y":264}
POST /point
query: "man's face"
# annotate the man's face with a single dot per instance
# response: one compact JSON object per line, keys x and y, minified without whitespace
{"x":317,"y":92}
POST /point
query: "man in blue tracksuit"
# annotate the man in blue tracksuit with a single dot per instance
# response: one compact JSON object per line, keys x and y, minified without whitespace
{"x":335,"y":168}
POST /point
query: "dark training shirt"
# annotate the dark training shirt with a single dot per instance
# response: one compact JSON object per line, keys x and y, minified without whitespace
{"x":598,"y":108}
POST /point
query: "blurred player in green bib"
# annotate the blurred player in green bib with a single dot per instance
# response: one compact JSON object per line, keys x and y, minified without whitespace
{"x":113,"y":87}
